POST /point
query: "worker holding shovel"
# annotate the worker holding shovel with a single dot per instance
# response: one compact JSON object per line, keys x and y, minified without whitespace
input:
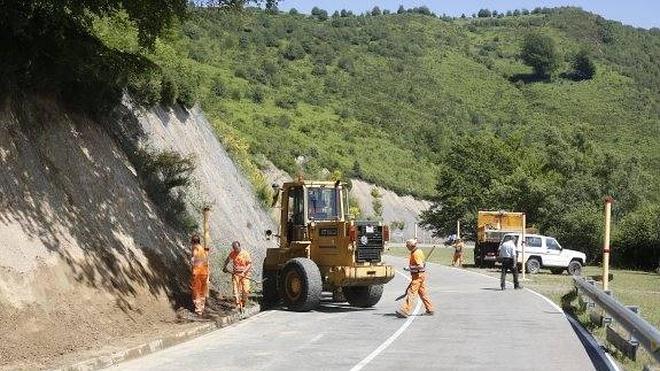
{"x":241,"y":265}
{"x":200,"y":274}
{"x":417,"y":268}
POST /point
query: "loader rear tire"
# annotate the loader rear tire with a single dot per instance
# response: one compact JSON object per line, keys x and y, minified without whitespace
{"x":363,"y":296}
{"x":270,"y":292}
{"x":301,"y":285}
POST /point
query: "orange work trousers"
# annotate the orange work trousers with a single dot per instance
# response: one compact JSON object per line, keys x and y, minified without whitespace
{"x":417,"y":286}
{"x":458,"y":259}
{"x":241,"y":285}
{"x":199,"y":288}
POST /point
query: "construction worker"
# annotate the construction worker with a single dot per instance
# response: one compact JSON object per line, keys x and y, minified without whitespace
{"x":241,"y":265}
{"x":507,"y":256}
{"x":200,"y":274}
{"x":458,"y":253}
{"x":417,"y":268}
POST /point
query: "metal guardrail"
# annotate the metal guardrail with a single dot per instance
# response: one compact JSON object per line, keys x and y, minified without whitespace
{"x":638,"y":328}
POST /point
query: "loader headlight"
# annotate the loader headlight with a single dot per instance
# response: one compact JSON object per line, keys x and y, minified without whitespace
{"x":364,"y":240}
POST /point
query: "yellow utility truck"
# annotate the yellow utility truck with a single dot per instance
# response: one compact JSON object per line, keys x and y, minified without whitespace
{"x":321,"y":248}
{"x":491,"y":227}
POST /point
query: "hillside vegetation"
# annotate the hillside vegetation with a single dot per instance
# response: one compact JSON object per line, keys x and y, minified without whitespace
{"x":434,"y":107}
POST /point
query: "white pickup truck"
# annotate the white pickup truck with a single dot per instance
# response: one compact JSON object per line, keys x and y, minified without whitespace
{"x":546,"y":252}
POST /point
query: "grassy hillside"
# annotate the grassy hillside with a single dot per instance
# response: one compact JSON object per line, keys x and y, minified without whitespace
{"x":434,"y":107}
{"x":391,"y":92}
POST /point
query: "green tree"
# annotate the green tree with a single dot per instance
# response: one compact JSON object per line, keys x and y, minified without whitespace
{"x":484,"y":13}
{"x":584,"y":68}
{"x":401,"y":10}
{"x":540,"y":53}
{"x":376,"y":11}
{"x":469,"y":181}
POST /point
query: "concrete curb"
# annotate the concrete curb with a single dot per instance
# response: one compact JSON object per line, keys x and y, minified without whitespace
{"x":155,"y":345}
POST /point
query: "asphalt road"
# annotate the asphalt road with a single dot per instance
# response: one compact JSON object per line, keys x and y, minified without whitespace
{"x":476,"y":326}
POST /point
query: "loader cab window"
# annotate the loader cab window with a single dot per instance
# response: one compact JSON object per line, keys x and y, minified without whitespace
{"x":323,"y":203}
{"x":295,"y":214}
{"x":296,"y":206}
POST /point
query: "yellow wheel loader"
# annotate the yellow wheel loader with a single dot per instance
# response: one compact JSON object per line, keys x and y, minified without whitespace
{"x":321,"y":248}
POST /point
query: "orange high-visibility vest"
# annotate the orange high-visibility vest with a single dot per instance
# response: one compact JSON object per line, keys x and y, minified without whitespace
{"x":240,"y":260}
{"x":416,"y":258}
{"x":200,"y":260}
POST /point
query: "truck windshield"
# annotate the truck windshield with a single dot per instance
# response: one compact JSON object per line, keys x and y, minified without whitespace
{"x":323,"y":203}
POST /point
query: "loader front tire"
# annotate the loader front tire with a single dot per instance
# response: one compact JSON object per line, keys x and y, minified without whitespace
{"x":363,"y":296}
{"x":270,"y":291}
{"x":301,"y":285}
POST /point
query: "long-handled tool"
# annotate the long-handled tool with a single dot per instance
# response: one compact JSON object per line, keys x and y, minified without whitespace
{"x":406,"y":269}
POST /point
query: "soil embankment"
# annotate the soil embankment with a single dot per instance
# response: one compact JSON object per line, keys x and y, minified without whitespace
{"x":85,"y":257}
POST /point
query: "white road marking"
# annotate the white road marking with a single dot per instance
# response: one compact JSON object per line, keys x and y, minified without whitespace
{"x":316,"y":338}
{"x":391,"y":339}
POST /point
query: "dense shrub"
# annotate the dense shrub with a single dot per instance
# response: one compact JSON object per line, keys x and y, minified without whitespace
{"x":584,"y":68}
{"x":187,"y":93}
{"x":293,"y":51}
{"x":286,"y":102}
{"x":145,"y":89}
{"x":540,"y":53}
{"x":169,"y":90}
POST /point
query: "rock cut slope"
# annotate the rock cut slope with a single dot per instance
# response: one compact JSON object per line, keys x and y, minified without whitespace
{"x":85,"y":257}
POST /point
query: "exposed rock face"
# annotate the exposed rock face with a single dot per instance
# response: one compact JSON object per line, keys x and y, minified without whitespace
{"x":236,"y":212}
{"x":85,"y":257}
{"x":404,"y":209}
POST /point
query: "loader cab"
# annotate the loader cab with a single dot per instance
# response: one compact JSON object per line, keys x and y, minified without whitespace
{"x":304,"y":204}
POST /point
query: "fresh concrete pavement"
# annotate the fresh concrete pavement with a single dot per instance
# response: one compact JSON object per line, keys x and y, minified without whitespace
{"x":476,"y":326}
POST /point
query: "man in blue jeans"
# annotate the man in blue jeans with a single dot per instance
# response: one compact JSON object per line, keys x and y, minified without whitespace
{"x":507,"y":255}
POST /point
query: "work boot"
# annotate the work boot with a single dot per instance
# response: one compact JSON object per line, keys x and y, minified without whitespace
{"x":401,"y":314}
{"x":502,"y":288}
{"x":429,"y":313}
{"x":518,"y":287}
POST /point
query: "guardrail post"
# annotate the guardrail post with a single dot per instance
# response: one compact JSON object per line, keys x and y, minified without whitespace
{"x":640,"y":331}
{"x":634,"y":309}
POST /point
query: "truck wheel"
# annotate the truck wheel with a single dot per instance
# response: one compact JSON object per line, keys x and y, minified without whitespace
{"x":533,"y":265}
{"x":363,"y":296}
{"x":575,"y":268}
{"x":557,"y":270}
{"x":270,"y":293}
{"x":301,"y":284}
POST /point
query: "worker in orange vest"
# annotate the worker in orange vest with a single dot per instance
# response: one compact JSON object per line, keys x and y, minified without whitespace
{"x":200,"y":274}
{"x":417,"y":268}
{"x":241,"y":266}
{"x":458,"y":245}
